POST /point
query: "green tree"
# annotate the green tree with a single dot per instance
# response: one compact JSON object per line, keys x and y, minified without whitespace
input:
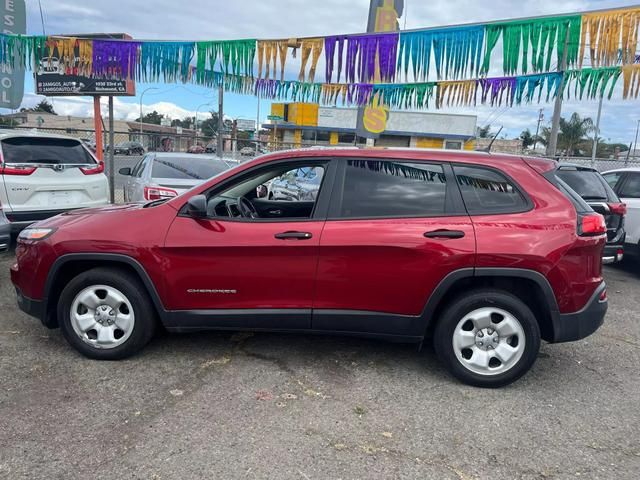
{"x":484,"y":132}
{"x":187,"y":122}
{"x":527,"y":139}
{"x":154,"y":118}
{"x":572,"y":136}
{"x":44,"y":106}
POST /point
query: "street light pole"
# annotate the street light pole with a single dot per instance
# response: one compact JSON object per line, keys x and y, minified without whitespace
{"x":141,"y":96}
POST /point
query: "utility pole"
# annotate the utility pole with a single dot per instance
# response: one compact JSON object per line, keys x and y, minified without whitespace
{"x":540,"y":119}
{"x":597,"y":134}
{"x":635,"y":148}
{"x":220,"y":119}
{"x":557,"y":109}
{"x":112,"y":167}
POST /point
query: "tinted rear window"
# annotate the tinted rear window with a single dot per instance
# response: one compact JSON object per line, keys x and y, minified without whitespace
{"x":187,"y":168}
{"x":55,"y":151}
{"x":587,"y":183}
{"x":486,"y":191}
{"x":393,"y":189}
{"x":580,"y":205}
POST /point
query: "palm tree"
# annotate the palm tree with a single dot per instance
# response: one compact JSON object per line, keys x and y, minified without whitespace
{"x":574,"y":132}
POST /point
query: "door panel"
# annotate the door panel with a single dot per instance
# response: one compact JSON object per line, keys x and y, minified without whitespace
{"x":386,"y":266}
{"x":219,"y":264}
{"x":629,"y":193}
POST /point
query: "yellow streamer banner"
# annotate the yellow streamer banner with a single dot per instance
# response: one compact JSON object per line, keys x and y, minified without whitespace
{"x":631,"y":81}
{"x":612,"y":36}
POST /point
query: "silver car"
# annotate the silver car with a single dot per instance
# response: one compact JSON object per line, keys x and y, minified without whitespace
{"x":166,"y":175}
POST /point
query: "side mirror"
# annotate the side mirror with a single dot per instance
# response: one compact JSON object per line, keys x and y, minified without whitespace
{"x":125,"y":171}
{"x":262,"y":191}
{"x":197,"y":206}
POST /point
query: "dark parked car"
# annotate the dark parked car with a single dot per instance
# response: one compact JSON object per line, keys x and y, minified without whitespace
{"x":594,"y":189}
{"x":485,"y":254}
{"x":129,"y":148}
{"x":210,"y":148}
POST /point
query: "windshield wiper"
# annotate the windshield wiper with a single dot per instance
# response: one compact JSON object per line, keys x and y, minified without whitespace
{"x":592,"y":197}
{"x":154,"y":203}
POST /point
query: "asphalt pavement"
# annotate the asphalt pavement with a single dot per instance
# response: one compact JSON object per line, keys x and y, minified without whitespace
{"x":227,"y":406}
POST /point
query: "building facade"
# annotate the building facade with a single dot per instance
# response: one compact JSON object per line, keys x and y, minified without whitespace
{"x":306,"y":124}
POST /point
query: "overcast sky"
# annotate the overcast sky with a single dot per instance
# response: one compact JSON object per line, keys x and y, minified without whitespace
{"x":217,"y":19}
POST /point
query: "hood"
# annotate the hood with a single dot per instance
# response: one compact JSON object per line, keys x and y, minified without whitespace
{"x":75,"y":216}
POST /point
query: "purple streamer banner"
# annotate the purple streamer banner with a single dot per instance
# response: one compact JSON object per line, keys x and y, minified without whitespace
{"x":115,"y":59}
{"x":361,"y":55}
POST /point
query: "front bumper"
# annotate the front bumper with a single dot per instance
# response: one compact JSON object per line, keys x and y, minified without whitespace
{"x":33,"y":308}
{"x":575,"y":326}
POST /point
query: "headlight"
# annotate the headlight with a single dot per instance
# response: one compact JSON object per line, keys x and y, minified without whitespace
{"x":35,"y":234}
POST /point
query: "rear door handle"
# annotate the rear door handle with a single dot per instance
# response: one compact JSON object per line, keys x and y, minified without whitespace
{"x":452,"y":234}
{"x":294,"y":236}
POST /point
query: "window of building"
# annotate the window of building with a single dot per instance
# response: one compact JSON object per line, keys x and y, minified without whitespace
{"x":393,"y":189}
{"x":308,"y":135}
{"x":486,"y":191}
{"x":453,"y":144}
{"x":346,"y":138}
{"x":322,"y":136}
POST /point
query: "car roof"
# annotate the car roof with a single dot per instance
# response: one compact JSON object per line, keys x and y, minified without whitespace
{"x":184,"y":155}
{"x":577,"y":167}
{"x":7,"y":133}
{"x":622,"y":170}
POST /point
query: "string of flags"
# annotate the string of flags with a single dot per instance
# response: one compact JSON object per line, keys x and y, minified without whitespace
{"x":447,"y":66}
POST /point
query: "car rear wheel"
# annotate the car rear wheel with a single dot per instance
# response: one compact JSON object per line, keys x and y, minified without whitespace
{"x":487,"y":338}
{"x":106,"y":314}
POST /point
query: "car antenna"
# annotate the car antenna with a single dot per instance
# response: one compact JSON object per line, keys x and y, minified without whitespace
{"x":488,"y":149}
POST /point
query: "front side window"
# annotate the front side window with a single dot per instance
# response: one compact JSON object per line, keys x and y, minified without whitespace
{"x":393,"y":189}
{"x":486,"y":191}
{"x":280,"y":192}
{"x":631,"y":187}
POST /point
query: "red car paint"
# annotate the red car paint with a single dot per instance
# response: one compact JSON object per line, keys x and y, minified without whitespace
{"x":374,"y":265}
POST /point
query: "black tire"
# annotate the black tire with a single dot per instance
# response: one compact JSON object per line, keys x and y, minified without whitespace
{"x":469,"y":302}
{"x":145,"y":314}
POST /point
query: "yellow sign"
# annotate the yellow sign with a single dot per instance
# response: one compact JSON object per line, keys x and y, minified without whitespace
{"x":375,"y":116}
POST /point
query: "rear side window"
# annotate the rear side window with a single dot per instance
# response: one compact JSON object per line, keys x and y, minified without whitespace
{"x":486,"y":191}
{"x":54,"y":151}
{"x":588,"y":184}
{"x":393,"y":189}
{"x":187,"y":168}
{"x":631,"y":187}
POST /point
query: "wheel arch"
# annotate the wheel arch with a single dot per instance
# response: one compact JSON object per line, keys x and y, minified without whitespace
{"x":69,"y":266}
{"x":528,"y":285}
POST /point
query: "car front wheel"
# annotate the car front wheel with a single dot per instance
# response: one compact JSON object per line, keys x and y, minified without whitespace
{"x":487,"y":338}
{"x":106,"y":314}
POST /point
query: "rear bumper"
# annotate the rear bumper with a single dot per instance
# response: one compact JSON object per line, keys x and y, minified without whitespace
{"x":575,"y":326}
{"x":612,"y":254}
{"x":5,"y":236}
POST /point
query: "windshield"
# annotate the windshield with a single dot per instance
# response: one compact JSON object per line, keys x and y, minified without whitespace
{"x":187,"y":168}
{"x":54,"y":151}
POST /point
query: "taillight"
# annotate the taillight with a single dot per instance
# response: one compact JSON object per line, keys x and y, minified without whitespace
{"x":99,"y":168}
{"x":603,"y":296}
{"x":16,"y":170}
{"x":156,"y":193}
{"x":618,"y":208}
{"x":591,"y":224}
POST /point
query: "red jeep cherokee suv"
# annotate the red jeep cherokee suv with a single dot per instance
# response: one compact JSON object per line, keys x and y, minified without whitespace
{"x":486,"y":254}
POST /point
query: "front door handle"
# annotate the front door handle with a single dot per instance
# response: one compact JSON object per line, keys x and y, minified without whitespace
{"x":294,"y":236}
{"x":452,"y":234}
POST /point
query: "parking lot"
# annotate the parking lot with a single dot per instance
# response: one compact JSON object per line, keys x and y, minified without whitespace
{"x":223,"y":405}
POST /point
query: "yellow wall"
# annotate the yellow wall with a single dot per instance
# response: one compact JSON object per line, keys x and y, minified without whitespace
{"x":333,"y":138}
{"x":303,"y":114}
{"x":429,"y":143}
{"x":297,"y":138}
{"x":277,"y":109}
{"x":470,"y":144}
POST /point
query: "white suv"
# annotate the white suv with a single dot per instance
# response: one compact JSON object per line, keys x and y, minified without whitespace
{"x":626,"y":183}
{"x":44,"y":175}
